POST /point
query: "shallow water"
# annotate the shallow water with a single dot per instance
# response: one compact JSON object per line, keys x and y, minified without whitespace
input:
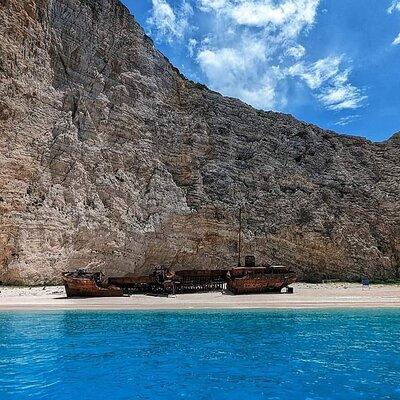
{"x":200,"y":355}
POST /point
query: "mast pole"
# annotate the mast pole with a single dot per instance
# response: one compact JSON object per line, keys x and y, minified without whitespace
{"x":240,"y":237}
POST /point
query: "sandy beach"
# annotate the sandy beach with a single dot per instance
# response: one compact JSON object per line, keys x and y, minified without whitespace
{"x":332,"y":295}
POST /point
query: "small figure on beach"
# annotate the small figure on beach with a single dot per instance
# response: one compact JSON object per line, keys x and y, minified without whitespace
{"x":365,"y":283}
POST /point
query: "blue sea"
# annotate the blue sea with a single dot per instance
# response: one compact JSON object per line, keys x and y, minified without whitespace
{"x":241,"y":355}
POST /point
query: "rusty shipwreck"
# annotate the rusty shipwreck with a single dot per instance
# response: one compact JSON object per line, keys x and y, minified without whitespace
{"x":163,"y":281}
{"x":80,"y":283}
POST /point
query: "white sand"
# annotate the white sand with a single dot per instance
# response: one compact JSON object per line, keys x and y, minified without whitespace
{"x":335,"y":295}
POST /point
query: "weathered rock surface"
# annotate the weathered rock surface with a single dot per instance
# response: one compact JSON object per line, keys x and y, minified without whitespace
{"x":110,"y":158}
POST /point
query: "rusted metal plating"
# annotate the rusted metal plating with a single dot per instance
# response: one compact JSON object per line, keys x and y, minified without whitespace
{"x":83,"y":284}
{"x":162,"y":281}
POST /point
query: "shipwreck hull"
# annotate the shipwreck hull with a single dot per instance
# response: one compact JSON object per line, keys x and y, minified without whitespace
{"x":163,"y":281}
{"x":88,"y":287}
{"x":248,"y":285}
{"x":259,"y":280}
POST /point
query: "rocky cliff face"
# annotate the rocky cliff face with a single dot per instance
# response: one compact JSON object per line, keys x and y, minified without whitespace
{"x":110,"y":158}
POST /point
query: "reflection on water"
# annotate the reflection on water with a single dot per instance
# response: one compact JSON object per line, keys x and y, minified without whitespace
{"x":200,"y":355}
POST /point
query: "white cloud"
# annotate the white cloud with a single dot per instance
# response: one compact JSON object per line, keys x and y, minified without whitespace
{"x":397,"y":40}
{"x":259,"y":13}
{"x":209,"y":5}
{"x":330,"y":83}
{"x":293,"y":15}
{"x":395,"y":7}
{"x":342,"y":97}
{"x":168,"y":23}
{"x":296,"y":51}
{"x":347,"y":120}
{"x":317,"y":73}
{"x":235,"y":72}
{"x":242,"y":53}
{"x":192,"y":43}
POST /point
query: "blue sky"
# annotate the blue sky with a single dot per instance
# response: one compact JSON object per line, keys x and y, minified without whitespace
{"x":334,"y":63}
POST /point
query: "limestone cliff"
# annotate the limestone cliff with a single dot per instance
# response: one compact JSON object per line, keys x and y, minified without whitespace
{"x":111,"y":158}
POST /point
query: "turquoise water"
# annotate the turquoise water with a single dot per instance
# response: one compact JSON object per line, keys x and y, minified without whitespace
{"x":200,"y":355}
